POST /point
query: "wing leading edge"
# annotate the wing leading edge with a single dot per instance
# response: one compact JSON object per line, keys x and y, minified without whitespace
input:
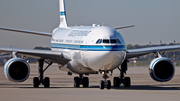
{"x":27,"y":31}
{"x":144,"y":51}
{"x":122,"y":27}
{"x":60,"y":57}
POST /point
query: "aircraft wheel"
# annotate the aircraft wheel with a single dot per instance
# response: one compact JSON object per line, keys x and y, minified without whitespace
{"x":108,"y":84}
{"x":85,"y":82}
{"x":46,"y":82}
{"x":127,"y":82}
{"x":36,"y":82}
{"x":116,"y":81}
{"x":76,"y":81}
{"x":102,"y":84}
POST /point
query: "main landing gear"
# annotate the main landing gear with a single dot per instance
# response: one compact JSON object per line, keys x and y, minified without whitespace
{"x":122,"y":79}
{"x":106,"y":83}
{"x":81,"y":80}
{"x":41,"y":80}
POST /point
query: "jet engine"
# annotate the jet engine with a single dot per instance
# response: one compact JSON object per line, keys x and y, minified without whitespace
{"x":16,"y":70}
{"x":161,"y":69}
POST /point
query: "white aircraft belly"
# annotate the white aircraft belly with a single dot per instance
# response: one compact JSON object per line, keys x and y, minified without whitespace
{"x":103,"y":60}
{"x":91,"y":61}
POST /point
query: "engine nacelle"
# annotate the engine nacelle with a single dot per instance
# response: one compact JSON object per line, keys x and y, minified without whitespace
{"x":161,"y":69}
{"x":16,"y":70}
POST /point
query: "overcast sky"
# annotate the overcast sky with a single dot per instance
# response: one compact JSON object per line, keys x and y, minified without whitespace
{"x":154,"y":20}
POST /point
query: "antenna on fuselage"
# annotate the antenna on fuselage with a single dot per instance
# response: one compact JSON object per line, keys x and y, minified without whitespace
{"x":63,"y":22}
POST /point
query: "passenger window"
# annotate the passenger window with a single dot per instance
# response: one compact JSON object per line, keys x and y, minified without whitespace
{"x":105,"y":41}
{"x":118,"y":41}
{"x":113,"y":41}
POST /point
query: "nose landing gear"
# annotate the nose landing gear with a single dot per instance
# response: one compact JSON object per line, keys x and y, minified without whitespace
{"x":106,"y":83}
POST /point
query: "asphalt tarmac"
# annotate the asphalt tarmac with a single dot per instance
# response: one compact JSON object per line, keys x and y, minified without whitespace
{"x":61,"y":89}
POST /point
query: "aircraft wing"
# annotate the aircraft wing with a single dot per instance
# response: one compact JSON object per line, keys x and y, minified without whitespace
{"x":27,"y":31}
{"x":122,"y":27}
{"x":144,"y":51}
{"x":60,"y":57}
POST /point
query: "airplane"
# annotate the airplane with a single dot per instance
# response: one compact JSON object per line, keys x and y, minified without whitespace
{"x":85,"y":50}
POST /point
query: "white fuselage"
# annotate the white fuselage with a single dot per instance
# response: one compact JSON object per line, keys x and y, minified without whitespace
{"x":91,"y":48}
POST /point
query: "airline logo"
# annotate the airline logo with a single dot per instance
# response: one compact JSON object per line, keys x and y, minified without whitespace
{"x":78,"y":33}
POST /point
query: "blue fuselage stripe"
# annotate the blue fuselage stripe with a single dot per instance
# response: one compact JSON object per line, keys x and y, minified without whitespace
{"x":63,"y":13}
{"x":90,"y":47}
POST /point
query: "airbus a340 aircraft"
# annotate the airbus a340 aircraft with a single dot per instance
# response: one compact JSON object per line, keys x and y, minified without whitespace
{"x":85,"y":50}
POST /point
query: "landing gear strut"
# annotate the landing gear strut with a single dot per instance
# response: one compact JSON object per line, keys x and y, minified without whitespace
{"x":122,"y":79}
{"x":106,"y":83}
{"x":41,"y":80}
{"x":81,"y":80}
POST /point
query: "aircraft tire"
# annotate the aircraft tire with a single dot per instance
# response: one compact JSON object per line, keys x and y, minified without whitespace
{"x":36,"y":82}
{"x":76,"y":81}
{"x":108,"y":84}
{"x":85,"y":82}
{"x":46,"y":82}
{"x":102,"y":84}
{"x":127,"y":82}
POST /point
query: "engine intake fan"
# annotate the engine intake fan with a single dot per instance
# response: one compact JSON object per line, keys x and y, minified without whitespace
{"x":17,"y":70}
{"x":161,"y":69}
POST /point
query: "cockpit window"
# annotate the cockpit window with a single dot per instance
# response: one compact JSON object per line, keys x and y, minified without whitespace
{"x":113,"y":41}
{"x":98,"y":41}
{"x":118,"y":41}
{"x":105,"y":41}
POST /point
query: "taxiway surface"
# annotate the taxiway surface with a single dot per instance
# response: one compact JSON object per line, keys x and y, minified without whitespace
{"x":61,"y":89}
